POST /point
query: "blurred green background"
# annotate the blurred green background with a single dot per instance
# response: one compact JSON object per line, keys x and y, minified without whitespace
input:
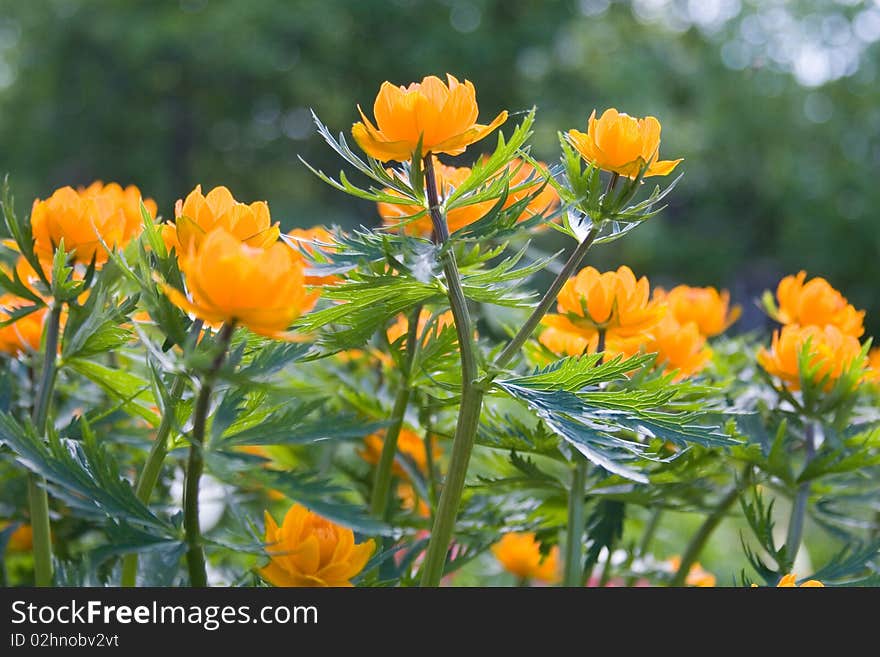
{"x":774,"y":105}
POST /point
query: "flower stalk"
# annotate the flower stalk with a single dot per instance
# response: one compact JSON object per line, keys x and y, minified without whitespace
{"x":471,"y":396}
{"x":384,"y":469}
{"x":195,"y":555}
{"x":37,"y":495}
{"x":795,"y":533}
{"x":699,"y":540}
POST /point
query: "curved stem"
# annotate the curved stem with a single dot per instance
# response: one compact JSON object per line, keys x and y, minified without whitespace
{"x":384,"y":469}
{"x":195,"y":555}
{"x":471,"y":396}
{"x":698,"y":542}
{"x":799,"y":509}
{"x":575,"y":530}
{"x":152,"y":468}
{"x":37,"y":495}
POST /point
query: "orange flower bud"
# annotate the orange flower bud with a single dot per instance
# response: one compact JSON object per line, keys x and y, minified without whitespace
{"x":520,"y":554}
{"x":441,"y":114}
{"x":790,"y":581}
{"x":22,"y":539}
{"x":448,"y":178}
{"x":229,"y":281}
{"x":622,"y":144}
{"x":409,"y":444}
{"x":816,"y":303}
{"x":308,"y":550}
{"x":830,"y":349}
{"x":85,"y":218}
{"x":708,"y":308}
{"x":198,"y":215}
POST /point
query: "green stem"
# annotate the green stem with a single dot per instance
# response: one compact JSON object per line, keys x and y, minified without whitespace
{"x":384,"y":469}
{"x":195,"y":555}
{"x":152,"y":468}
{"x":698,"y":542}
{"x":606,"y":567}
{"x":549,"y":298}
{"x":471,"y":396}
{"x":575,"y":531}
{"x":799,"y":508}
{"x":37,"y":495}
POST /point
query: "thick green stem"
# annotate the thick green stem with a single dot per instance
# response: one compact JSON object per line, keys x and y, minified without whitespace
{"x":37,"y":495}
{"x":195,"y":555}
{"x":152,"y":468}
{"x":384,"y":469}
{"x":699,"y":540}
{"x":799,"y":508}
{"x":471,"y":397}
{"x":574,"y":557}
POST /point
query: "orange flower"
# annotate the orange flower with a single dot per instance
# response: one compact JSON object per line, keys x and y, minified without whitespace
{"x":830,"y":349}
{"x":441,"y":114}
{"x":816,"y":303}
{"x":409,"y":445}
{"x":85,"y":218}
{"x":305,"y":238}
{"x":308,"y":550}
{"x":622,"y":144}
{"x":198,"y":215}
{"x":613,"y":301}
{"x":408,"y":498}
{"x":790,"y":581}
{"x":679,"y":347}
{"x":708,"y":308}
{"x":564,"y":338}
{"x":448,"y":178}
{"x":874,"y":364}
{"x":128,"y":200}
{"x":696,"y":575}
{"x":544,"y":202}
{"x":400,"y":327}
{"x":229,"y":281}
{"x":22,"y":539}
{"x":520,"y":554}
{"x":25,"y":334}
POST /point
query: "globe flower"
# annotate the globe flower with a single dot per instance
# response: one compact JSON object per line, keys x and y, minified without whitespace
{"x":679,"y":347}
{"x":410,"y":501}
{"x":790,"y":581}
{"x":305,"y":238}
{"x":874,"y":364}
{"x":816,"y":303}
{"x":25,"y":334}
{"x":610,"y":301}
{"x":564,"y":338}
{"x":706,"y":307}
{"x":831,"y":351}
{"x":520,"y":554}
{"x":440,"y":115}
{"x":86,"y":220}
{"x":409,"y":445}
{"x":622,"y":144}
{"x":128,"y":200}
{"x":696,"y":575}
{"x":229,"y":281}
{"x":401,"y":326}
{"x":199,"y":214}
{"x":308,"y":550}
{"x":448,"y":178}
{"x":544,"y":201}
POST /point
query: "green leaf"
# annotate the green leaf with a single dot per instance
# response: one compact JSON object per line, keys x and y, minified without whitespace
{"x":132,"y":390}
